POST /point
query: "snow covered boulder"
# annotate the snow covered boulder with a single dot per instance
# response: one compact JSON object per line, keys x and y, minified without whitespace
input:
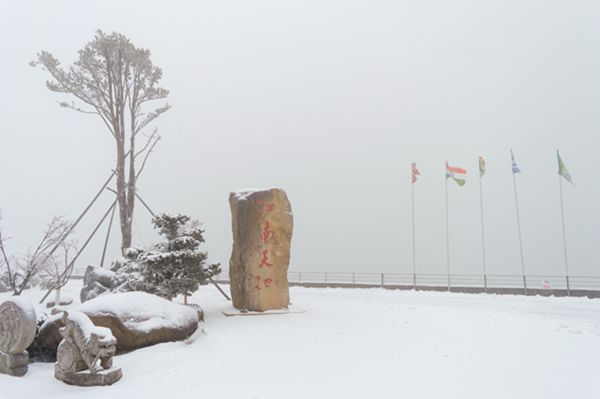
{"x":136,"y":319}
{"x":262,"y":225}
{"x":97,"y":281}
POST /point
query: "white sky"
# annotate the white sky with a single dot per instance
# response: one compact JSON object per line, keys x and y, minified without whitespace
{"x":330,"y":100}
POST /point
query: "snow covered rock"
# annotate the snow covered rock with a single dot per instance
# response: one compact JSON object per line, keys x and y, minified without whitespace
{"x":97,"y":281}
{"x":262,"y":224}
{"x":136,"y":319}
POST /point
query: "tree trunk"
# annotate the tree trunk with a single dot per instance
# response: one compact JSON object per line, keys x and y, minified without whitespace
{"x":57,"y":297}
{"x":131,"y":180}
{"x":124,"y":213}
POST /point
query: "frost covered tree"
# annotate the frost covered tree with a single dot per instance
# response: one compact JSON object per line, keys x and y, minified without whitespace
{"x":115,"y":81}
{"x":59,"y":270}
{"x":19,"y":271}
{"x":176,"y":266}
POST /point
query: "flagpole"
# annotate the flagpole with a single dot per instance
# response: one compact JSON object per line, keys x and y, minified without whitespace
{"x":519,"y":230}
{"x":482,"y":233}
{"x":564,"y":234}
{"x":447,"y":237}
{"x":412,"y":193}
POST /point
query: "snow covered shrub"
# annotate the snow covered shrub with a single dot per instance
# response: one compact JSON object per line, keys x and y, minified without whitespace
{"x":129,"y":272}
{"x":173,"y":267}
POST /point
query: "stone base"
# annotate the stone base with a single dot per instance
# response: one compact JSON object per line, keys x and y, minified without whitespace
{"x":235,"y":312}
{"x":87,"y":379}
{"x":63,"y":302}
{"x":15,"y":365}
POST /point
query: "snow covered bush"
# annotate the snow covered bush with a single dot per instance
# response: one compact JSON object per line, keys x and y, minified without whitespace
{"x":173,"y":267}
{"x":130,"y":274}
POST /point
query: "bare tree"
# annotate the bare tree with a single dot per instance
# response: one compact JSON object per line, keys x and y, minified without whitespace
{"x":59,"y":271}
{"x":114,"y":80}
{"x":20,"y":270}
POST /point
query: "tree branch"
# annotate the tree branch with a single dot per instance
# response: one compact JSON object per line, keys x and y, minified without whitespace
{"x":141,"y":169}
{"x":150,"y":139}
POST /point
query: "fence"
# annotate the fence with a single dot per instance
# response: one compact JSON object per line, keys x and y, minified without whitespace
{"x":473,"y":283}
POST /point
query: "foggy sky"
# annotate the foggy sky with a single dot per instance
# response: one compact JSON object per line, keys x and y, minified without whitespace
{"x":330,"y":100}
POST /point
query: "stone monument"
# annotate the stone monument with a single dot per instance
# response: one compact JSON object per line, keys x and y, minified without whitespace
{"x":262,"y":224}
{"x":83,"y":345}
{"x":17,"y":331}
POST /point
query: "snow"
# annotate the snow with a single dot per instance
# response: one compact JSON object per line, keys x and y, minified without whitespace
{"x":141,"y":311}
{"x":87,"y":327}
{"x":104,"y":273}
{"x":24,"y":304}
{"x":243,"y":194}
{"x":361,"y":343}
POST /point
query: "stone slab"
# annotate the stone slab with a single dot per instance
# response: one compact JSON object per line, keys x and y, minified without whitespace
{"x":87,"y":379}
{"x":236,"y":312}
{"x":14,"y":364}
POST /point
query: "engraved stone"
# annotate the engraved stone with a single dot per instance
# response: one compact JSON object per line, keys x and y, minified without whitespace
{"x":17,"y":331}
{"x":262,"y":224}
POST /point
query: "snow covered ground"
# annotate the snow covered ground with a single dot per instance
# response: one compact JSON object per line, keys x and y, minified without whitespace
{"x":361,"y":343}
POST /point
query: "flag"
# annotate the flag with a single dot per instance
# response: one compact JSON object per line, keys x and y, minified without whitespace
{"x":515,"y":168}
{"x":455,"y":173}
{"x":562,"y":169}
{"x":481,"y":166}
{"x":415,"y":172}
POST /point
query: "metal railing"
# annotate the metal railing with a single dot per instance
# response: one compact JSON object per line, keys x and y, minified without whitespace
{"x":493,"y":283}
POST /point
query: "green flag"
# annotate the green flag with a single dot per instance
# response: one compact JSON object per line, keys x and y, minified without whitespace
{"x":562,"y":169}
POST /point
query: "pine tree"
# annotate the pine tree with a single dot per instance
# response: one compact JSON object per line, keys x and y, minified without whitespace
{"x":176,"y":266}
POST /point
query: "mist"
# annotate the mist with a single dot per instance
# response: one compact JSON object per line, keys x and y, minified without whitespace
{"x":331,"y":101}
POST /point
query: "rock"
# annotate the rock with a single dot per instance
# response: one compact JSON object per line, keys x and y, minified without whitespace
{"x":85,"y":344}
{"x":136,"y":319}
{"x":17,"y":331}
{"x":97,"y":281}
{"x":262,"y":224}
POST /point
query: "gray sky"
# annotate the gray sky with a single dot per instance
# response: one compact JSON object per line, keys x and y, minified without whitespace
{"x":330,"y":100}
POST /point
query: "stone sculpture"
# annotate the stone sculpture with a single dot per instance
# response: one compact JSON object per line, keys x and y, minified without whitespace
{"x":262,"y":224}
{"x":17,"y":331}
{"x":83,"y":345}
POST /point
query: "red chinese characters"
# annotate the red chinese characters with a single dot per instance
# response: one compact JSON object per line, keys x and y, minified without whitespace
{"x":267,"y":233}
{"x":265,"y":207}
{"x":257,"y":283}
{"x":266,"y":236}
{"x":260,"y":282}
{"x":265,"y":259}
